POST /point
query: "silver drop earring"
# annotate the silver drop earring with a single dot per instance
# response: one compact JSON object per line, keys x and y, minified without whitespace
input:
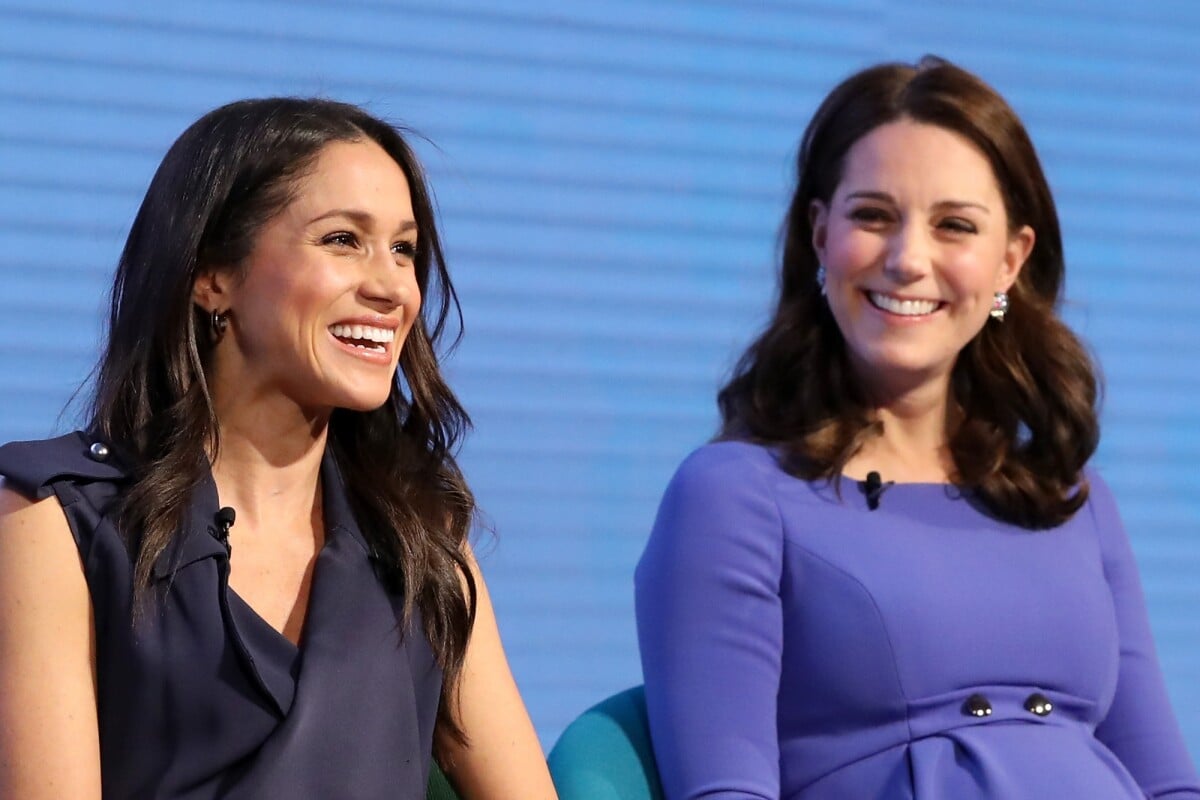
{"x":219,"y":322}
{"x":999,"y":306}
{"x":821,"y":278}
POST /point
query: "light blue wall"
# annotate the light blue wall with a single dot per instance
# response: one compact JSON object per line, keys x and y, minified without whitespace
{"x":611,"y":178}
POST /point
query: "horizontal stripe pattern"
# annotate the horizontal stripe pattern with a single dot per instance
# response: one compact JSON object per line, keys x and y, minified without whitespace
{"x":611,"y":178}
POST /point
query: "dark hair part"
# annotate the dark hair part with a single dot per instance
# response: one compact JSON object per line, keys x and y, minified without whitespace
{"x":226,"y":176}
{"x":1026,"y":388}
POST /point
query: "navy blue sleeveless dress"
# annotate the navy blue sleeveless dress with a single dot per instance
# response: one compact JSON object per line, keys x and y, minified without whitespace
{"x":202,"y":698}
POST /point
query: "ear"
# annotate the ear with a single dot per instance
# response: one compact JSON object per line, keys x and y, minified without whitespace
{"x":212,"y":290}
{"x":818,"y":220}
{"x":1016,"y":252}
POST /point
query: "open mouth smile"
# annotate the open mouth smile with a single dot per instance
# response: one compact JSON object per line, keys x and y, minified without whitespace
{"x":371,"y":342}
{"x":903,"y":307}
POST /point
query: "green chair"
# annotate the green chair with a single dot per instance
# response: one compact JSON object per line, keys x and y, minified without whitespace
{"x":605,"y":754}
{"x":439,"y":787}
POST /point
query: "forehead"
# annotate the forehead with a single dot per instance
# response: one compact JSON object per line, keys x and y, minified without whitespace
{"x":355,"y":175}
{"x":912,"y":157}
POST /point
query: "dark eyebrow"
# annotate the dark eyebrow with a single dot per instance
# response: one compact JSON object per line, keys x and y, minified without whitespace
{"x":865,"y":195}
{"x":884,"y":197}
{"x":361,"y":218}
{"x":943,"y":204}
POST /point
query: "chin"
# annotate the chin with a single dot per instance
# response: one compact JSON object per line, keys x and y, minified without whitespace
{"x":357,"y":396}
{"x":900,"y":364}
{"x":363,"y":403}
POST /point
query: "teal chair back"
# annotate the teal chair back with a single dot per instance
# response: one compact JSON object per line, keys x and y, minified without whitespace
{"x":605,"y":754}
{"x":439,"y":787}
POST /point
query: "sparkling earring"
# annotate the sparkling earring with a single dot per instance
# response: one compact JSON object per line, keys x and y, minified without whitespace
{"x":821,"y":278}
{"x":999,"y":306}
{"x":219,"y":322}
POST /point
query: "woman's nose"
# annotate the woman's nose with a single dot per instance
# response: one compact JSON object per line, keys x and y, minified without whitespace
{"x":386,"y":281}
{"x":908,"y":256}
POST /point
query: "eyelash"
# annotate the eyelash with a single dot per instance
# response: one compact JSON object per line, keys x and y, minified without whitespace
{"x":958,"y":225}
{"x":877,"y":216}
{"x":341,"y":239}
{"x":869,"y":214}
{"x":406,"y":248}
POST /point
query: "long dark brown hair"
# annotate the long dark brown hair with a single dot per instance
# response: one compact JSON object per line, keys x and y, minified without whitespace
{"x":227,"y":175}
{"x":1026,"y":388}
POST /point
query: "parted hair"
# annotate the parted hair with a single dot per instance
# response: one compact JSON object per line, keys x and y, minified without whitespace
{"x":1026,"y":388}
{"x":227,"y":175}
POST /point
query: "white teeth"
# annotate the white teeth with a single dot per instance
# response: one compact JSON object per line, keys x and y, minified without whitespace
{"x":905,"y":308}
{"x":366,"y":333}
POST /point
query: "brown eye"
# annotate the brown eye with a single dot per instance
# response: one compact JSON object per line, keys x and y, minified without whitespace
{"x":870,"y":215}
{"x":958,"y":225}
{"x":340,"y":239}
{"x":407,"y":249}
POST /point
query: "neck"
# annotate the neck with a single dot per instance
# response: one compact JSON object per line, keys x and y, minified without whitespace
{"x":914,"y":444}
{"x":269,"y":462}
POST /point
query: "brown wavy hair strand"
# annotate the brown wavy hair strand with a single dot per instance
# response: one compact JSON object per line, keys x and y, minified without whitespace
{"x":1026,"y":388}
{"x":226,"y":176}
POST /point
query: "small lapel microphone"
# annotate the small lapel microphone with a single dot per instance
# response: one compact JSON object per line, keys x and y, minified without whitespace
{"x":224,"y":519}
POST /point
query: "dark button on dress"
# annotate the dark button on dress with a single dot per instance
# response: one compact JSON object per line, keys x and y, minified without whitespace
{"x":202,"y":698}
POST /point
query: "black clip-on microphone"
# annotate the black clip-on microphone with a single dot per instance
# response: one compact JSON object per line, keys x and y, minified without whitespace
{"x":873,"y":487}
{"x":224,"y":519}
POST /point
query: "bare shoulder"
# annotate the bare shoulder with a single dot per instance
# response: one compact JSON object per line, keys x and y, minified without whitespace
{"x":11,"y":500}
{"x":48,"y":729}
{"x":38,"y":521}
{"x":37,"y":551}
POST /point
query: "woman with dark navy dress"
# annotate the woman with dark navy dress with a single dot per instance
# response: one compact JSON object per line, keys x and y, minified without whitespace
{"x":249,"y":576}
{"x":894,"y":574}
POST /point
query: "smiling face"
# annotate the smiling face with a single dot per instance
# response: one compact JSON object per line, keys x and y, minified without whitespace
{"x":915,"y":242}
{"x":321,"y":307}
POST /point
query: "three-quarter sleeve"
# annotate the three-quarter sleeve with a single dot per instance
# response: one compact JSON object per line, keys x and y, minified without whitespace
{"x":1140,"y":727}
{"x":710,"y":628}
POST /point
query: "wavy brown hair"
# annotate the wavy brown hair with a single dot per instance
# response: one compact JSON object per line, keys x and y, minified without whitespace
{"x":1026,"y":387}
{"x":226,"y":176}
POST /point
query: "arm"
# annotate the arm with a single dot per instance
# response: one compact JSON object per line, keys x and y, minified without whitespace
{"x":1140,"y":727}
{"x":710,"y":630}
{"x":49,"y":740}
{"x":503,"y":758}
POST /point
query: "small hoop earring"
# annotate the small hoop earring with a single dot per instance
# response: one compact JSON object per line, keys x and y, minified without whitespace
{"x":219,"y":322}
{"x":821,"y":278}
{"x":999,"y":306}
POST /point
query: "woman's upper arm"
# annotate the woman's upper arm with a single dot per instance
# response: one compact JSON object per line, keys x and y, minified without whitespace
{"x":503,"y":758}
{"x":710,"y":628}
{"x":1140,"y":727}
{"x":49,"y":744}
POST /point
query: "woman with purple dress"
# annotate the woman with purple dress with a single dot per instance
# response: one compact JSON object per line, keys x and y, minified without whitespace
{"x":894,"y":574}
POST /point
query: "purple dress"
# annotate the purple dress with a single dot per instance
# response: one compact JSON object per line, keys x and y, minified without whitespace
{"x":203,"y":698}
{"x":798,"y":645}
